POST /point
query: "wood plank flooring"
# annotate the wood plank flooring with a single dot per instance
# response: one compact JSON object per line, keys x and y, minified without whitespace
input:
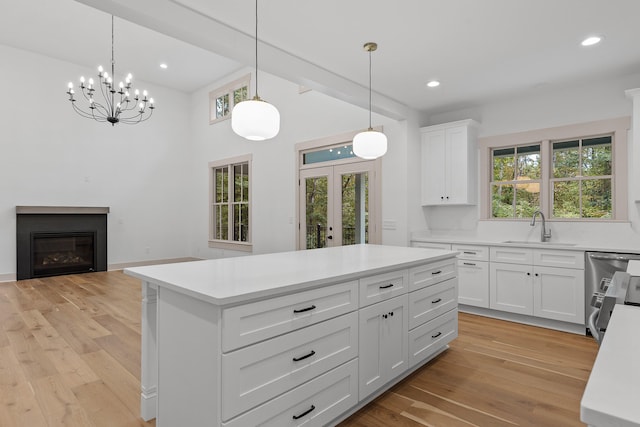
{"x":70,"y":356}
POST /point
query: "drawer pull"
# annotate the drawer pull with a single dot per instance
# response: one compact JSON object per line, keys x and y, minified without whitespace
{"x":469,"y":263}
{"x":390,"y":285}
{"x":436,"y":335}
{"x":297,"y":359}
{"x":469,"y":253}
{"x":302,"y":310}
{"x":437,"y":272}
{"x":436,"y":301}
{"x":297,"y":417}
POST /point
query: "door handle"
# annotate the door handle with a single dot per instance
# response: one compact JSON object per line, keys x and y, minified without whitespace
{"x":329,"y":237}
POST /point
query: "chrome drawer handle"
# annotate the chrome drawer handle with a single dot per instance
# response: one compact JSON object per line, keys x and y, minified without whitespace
{"x":297,"y":417}
{"x":297,"y":359}
{"x":436,"y":335}
{"x":469,"y":263}
{"x":302,"y":310}
{"x":387,"y":286}
{"x":436,"y":301}
{"x":437,"y":272}
{"x":469,"y":253}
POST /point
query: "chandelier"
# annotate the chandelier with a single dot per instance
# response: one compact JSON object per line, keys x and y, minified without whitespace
{"x":117,"y":104}
{"x":370,"y":144}
{"x":255,"y":119}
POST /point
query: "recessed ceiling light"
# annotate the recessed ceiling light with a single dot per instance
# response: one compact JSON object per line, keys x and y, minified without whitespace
{"x":163,"y":66}
{"x":433,"y":83}
{"x":590,"y":41}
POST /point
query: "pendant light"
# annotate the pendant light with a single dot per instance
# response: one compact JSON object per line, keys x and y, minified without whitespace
{"x":370,"y":144}
{"x":255,"y":119}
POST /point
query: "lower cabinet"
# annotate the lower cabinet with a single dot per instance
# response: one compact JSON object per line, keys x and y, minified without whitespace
{"x":511,"y":288}
{"x":383,"y":343}
{"x":558,"y":293}
{"x":548,"y":292}
{"x":473,"y":283}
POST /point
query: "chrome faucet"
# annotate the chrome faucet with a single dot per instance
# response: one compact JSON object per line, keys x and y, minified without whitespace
{"x":544,"y":234}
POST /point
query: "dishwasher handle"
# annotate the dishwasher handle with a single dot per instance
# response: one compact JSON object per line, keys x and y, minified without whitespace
{"x":614,"y":257}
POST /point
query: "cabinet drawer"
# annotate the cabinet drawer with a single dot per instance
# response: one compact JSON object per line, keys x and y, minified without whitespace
{"x":428,"y":303}
{"x":383,"y":286}
{"x":432,"y":245}
{"x":558,"y":258}
{"x":430,"y":274}
{"x":472,"y":252}
{"x":255,"y":374}
{"x":249,"y":323}
{"x":428,"y":338}
{"x":322,"y":399}
{"x":513,"y":255}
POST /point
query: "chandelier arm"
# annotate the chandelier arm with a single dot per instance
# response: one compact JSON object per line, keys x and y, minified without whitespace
{"x":100,"y":109}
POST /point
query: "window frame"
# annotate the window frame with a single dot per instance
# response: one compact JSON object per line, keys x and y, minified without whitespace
{"x":227,"y":89}
{"x":229,"y":243}
{"x":618,"y":128}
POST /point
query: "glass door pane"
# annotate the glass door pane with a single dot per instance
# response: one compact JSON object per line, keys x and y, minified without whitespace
{"x":355,"y":208}
{"x":315,"y":208}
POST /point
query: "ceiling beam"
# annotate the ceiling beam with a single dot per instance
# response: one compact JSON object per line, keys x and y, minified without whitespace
{"x":175,"y":20}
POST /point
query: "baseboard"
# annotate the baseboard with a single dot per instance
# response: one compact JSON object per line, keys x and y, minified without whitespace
{"x":123,"y":265}
{"x":8,"y":277}
{"x":573,"y":328}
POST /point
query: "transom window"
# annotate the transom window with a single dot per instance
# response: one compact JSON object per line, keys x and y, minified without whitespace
{"x":222,"y":100}
{"x":229,"y":184}
{"x":567,"y":178}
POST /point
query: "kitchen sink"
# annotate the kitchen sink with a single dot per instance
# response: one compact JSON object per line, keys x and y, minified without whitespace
{"x":525,"y":242}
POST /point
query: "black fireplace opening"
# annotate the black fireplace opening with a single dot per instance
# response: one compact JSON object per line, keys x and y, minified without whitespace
{"x":63,"y":253}
{"x":52,"y":244}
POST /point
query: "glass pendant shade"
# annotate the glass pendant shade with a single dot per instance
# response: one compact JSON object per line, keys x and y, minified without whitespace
{"x":255,"y":120}
{"x":370,"y":144}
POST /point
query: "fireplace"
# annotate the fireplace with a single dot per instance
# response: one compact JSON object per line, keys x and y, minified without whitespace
{"x":52,"y":241}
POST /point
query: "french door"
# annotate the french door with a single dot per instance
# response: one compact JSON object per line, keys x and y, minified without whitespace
{"x":338,"y":205}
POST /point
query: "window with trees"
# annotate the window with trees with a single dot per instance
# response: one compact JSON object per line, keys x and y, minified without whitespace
{"x":566,"y":177}
{"x":222,"y":100}
{"x":229,"y":182}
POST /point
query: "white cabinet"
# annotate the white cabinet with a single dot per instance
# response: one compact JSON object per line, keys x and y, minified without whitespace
{"x":511,"y":288}
{"x":383,"y":343}
{"x":558,"y":293}
{"x":473,"y":274}
{"x":449,"y":164}
{"x":538,"y":288}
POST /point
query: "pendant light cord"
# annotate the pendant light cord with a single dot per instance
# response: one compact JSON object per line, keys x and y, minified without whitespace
{"x":113,"y":61}
{"x":257,"y":49}
{"x":369,"y":89}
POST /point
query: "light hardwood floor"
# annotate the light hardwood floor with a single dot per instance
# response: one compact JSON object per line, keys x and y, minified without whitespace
{"x":70,"y":356}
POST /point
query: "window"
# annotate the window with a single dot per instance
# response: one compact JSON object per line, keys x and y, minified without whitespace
{"x":515,"y":187}
{"x":570,"y":173}
{"x":230,"y":213}
{"x":222,"y":100}
{"x":581,"y":178}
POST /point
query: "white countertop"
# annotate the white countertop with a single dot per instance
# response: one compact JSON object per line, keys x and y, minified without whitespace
{"x":241,"y":279}
{"x":459,"y":240}
{"x":612,"y":395}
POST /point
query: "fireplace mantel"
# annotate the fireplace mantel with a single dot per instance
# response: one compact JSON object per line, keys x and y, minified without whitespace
{"x":52,"y":210}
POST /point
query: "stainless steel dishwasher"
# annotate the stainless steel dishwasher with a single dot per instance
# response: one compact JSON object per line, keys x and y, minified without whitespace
{"x":598,"y":271}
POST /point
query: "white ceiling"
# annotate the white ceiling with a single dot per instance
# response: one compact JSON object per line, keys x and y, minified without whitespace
{"x":480,"y":50}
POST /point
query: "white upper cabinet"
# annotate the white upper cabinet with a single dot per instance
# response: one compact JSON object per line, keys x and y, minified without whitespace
{"x":449,"y":164}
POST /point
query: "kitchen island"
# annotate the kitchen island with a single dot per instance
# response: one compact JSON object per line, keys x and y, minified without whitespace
{"x":286,"y":338}
{"x":612,"y":395}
